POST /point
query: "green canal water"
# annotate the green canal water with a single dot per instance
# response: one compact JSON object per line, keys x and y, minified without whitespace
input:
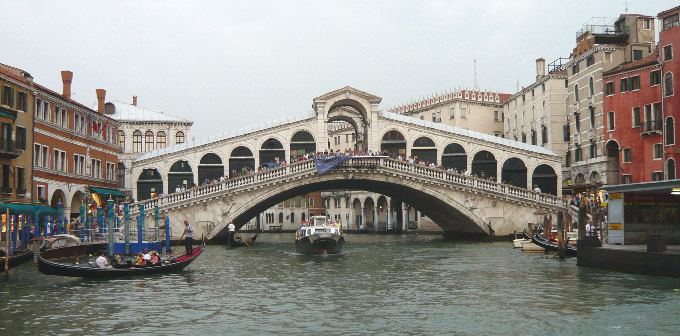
{"x":393,"y":285}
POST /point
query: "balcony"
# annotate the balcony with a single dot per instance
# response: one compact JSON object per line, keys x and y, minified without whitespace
{"x":604,"y":31}
{"x":6,"y":190}
{"x":651,"y":127}
{"x":8,"y":149}
{"x":21,"y":191}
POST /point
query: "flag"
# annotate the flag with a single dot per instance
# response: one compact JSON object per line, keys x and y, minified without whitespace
{"x":325,"y":164}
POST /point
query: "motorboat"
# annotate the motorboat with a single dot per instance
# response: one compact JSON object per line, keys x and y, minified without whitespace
{"x":318,"y":236}
{"x":65,"y":245}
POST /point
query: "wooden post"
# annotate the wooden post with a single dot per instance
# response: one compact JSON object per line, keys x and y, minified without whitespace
{"x":6,"y":221}
{"x":560,"y":235}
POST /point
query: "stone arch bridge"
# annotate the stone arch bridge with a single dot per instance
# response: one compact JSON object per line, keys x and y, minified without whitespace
{"x":239,"y":155}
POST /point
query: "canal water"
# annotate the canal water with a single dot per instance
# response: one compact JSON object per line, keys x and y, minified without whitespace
{"x":383,"y":284}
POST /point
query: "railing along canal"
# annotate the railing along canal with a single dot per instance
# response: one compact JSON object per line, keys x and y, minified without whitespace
{"x":306,"y":167}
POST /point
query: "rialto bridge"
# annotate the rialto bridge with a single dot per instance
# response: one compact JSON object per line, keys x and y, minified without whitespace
{"x":456,"y":202}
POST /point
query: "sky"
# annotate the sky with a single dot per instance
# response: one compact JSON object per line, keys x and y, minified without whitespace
{"x":230,"y":64}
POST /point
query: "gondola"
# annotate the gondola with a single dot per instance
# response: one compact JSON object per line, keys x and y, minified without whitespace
{"x":90,"y":271}
{"x":241,"y":242}
{"x":16,"y":259}
{"x":570,"y":250}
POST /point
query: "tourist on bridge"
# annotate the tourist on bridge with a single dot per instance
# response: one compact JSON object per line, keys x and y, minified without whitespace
{"x":188,"y":237}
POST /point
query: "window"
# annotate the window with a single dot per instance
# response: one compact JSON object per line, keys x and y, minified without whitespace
{"x":137,"y":142}
{"x":148,"y":141}
{"x":533,"y":137}
{"x":648,"y":113}
{"x":609,"y":88}
{"x":110,"y":171}
{"x":64,"y":118}
{"x":634,"y":83}
{"x":544,"y":134}
{"x":670,"y":169}
{"x":41,"y":192}
{"x":121,"y":139}
{"x":21,"y":186}
{"x":670,"y":131}
{"x":668,"y":53}
{"x":46,"y":111}
{"x":311,"y":202}
{"x":179,"y":137}
{"x":524,"y":98}
{"x":524,"y":138}
{"x":637,"y":55}
{"x":626,"y":155}
{"x":57,"y":115}
{"x":452,"y":112}
{"x":574,"y":68}
{"x":578,"y":155}
{"x":577,"y":122}
{"x":36,"y":155}
{"x":160,"y":140}
{"x":610,"y":120}
{"x":593,"y":150}
{"x":626,"y":179}
{"x":565,"y":133}
{"x":22,"y":101}
{"x":655,"y":78}
{"x":668,"y":84}
{"x":636,"y":116}
{"x":44,"y":157}
{"x":434,"y":117}
{"x":8,"y":96}
{"x":658,"y":151}
{"x":38,"y":108}
{"x":576,"y":93}
{"x":657,"y":176}
{"x":566,"y":83}
{"x":543,"y":87}
{"x":463,"y":113}
{"x":623,"y":85}
{"x":646,"y":24}
{"x":495,"y":116}
{"x":21,"y":138}
{"x":592,"y":117}
{"x":670,"y":22}
{"x":590,"y":60}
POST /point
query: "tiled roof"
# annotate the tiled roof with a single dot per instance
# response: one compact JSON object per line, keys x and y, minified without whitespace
{"x":129,"y":112}
{"x":58,"y":95}
{"x":668,"y":11}
{"x":14,"y":73}
{"x":651,"y":59}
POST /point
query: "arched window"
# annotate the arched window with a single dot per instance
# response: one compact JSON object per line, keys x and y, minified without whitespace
{"x":576,"y":93}
{"x":591,"y":87}
{"x":160,"y":140}
{"x":148,"y":141}
{"x":121,"y":139}
{"x":137,"y":142}
{"x":292,"y":217}
{"x":281,"y":217}
{"x":670,"y":131}
{"x":668,"y":83}
{"x":179,"y":137}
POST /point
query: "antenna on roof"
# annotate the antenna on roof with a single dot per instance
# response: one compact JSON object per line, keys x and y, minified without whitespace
{"x":475,"y":70}
{"x":626,"y":7}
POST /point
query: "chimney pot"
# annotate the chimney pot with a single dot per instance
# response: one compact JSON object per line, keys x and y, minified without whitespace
{"x":66,"y":77}
{"x":134,"y":100}
{"x":101,"y":99}
{"x":540,"y":68}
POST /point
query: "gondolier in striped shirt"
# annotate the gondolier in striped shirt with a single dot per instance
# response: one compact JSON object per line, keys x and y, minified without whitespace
{"x":188,"y":237}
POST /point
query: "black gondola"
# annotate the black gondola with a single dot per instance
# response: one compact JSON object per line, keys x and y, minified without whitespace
{"x":241,"y":242}
{"x":16,"y":259}
{"x":90,"y":271}
{"x":570,"y":250}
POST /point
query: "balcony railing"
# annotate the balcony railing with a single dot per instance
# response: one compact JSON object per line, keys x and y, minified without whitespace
{"x":652,"y":126}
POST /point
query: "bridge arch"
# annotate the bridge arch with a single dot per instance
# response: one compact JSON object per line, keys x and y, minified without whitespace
{"x":394,"y":143}
{"x":149,"y":184}
{"x":484,"y":164}
{"x":514,"y":172}
{"x":545,"y":178}
{"x":271,"y":151}
{"x":454,"y":157}
{"x":180,"y":175}
{"x":424,"y":149}
{"x":210,"y":168}
{"x":301,"y":143}
{"x":241,"y":159}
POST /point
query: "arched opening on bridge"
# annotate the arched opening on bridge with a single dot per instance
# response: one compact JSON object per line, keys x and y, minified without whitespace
{"x":301,"y":143}
{"x":271,"y":153}
{"x":342,"y":135}
{"x":369,"y":212}
{"x":180,"y":175}
{"x":454,"y":157}
{"x":484,"y":165}
{"x":241,"y":161}
{"x":545,"y":178}
{"x":149,"y":184}
{"x":612,"y":162}
{"x":424,"y":150}
{"x":394,"y":143}
{"x":210,"y":168}
{"x":514,"y":172}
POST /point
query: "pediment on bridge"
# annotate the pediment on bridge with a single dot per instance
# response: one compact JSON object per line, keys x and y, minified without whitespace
{"x":346,"y":93}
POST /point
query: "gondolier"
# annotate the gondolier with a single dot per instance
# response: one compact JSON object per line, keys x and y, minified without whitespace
{"x":188,"y":237}
{"x":232,"y":231}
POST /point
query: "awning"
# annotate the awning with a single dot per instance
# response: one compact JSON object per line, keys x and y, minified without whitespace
{"x":27,"y":209}
{"x":105,"y":193}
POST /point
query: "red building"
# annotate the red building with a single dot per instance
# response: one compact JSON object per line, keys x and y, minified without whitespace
{"x":640,"y":110}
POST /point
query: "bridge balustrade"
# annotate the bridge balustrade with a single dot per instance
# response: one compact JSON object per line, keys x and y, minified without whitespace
{"x":308,"y":166}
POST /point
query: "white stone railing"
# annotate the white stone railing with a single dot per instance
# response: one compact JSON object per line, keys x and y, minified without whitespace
{"x":308,"y":167}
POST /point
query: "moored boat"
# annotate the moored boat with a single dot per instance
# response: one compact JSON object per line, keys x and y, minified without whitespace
{"x":65,"y":245}
{"x":319,"y":237}
{"x":239,"y":241}
{"x":122,"y":270}
{"x":570,"y":250}
{"x":16,"y":259}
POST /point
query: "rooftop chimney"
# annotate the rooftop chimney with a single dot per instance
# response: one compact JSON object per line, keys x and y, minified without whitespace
{"x":66,"y":77}
{"x":101,"y":97}
{"x":134,"y":100}
{"x":540,"y":68}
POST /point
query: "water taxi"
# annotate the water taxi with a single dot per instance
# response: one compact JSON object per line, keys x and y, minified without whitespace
{"x":319,"y":237}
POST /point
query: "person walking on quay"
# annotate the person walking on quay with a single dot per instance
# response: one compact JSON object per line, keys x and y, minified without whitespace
{"x":188,"y":237}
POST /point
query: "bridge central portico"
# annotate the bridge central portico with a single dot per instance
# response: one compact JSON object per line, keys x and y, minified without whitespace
{"x":463,"y":204}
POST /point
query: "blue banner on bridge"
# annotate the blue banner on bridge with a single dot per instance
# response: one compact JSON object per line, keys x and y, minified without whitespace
{"x":325,"y":163}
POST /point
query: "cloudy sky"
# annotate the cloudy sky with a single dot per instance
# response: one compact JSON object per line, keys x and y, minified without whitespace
{"x":230,"y":64}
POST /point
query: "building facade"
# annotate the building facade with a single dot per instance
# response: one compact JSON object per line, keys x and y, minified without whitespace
{"x":75,"y":150}
{"x":669,"y":58}
{"x":16,"y":120}
{"x":599,"y":48}
{"x":143,"y":130}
